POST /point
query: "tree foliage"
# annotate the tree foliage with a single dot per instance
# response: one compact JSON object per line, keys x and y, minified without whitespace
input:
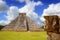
{"x":42,"y":27}
{"x":1,"y":26}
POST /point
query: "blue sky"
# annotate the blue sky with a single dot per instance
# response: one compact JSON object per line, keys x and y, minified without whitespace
{"x":36,"y":9}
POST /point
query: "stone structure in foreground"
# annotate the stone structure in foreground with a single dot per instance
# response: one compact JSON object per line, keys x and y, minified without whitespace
{"x":22,"y":23}
{"x":52,"y":26}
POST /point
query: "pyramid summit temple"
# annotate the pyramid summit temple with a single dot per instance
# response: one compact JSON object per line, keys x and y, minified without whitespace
{"x":22,"y":23}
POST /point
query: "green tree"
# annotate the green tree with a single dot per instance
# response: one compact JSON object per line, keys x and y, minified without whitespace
{"x":42,"y":27}
{"x":1,"y":26}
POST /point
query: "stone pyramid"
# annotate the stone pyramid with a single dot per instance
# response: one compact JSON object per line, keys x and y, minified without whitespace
{"x":22,"y":23}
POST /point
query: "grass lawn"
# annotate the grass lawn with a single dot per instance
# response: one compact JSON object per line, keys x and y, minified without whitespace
{"x":22,"y":35}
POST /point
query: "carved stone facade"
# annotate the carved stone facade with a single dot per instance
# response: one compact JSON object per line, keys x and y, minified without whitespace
{"x":52,"y":27}
{"x":22,"y":23}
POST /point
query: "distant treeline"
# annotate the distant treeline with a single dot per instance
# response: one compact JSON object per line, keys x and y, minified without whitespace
{"x":1,"y":26}
{"x":42,"y":27}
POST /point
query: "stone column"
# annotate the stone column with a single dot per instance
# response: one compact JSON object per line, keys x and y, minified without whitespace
{"x":52,"y":27}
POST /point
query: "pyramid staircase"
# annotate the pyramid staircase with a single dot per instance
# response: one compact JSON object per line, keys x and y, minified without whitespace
{"x":22,"y":23}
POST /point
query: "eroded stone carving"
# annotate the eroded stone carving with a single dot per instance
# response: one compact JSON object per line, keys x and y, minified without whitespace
{"x":52,"y":27}
{"x":52,"y":23}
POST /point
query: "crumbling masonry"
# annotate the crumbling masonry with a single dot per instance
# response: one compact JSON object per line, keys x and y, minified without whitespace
{"x":52,"y":26}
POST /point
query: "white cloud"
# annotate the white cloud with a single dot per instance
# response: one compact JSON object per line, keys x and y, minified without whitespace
{"x":21,"y":1}
{"x":38,"y":3}
{"x":12,"y":13}
{"x":28,"y":1}
{"x":3,"y":6}
{"x":40,"y":23}
{"x":2,"y":22}
{"x":29,"y":8}
{"x":30,"y":12}
{"x":53,"y":9}
{"x":32,"y":15}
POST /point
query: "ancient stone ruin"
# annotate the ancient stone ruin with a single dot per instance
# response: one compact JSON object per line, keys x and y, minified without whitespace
{"x":52,"y":26}
{"x":22,"y":23}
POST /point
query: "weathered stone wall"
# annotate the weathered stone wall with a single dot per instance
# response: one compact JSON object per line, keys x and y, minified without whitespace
{"x":53,"y":36}
{"x":21,"y":23}
{"x":52,"y":27}
{"x":11,"y":25}
{"x":32,"y":25}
